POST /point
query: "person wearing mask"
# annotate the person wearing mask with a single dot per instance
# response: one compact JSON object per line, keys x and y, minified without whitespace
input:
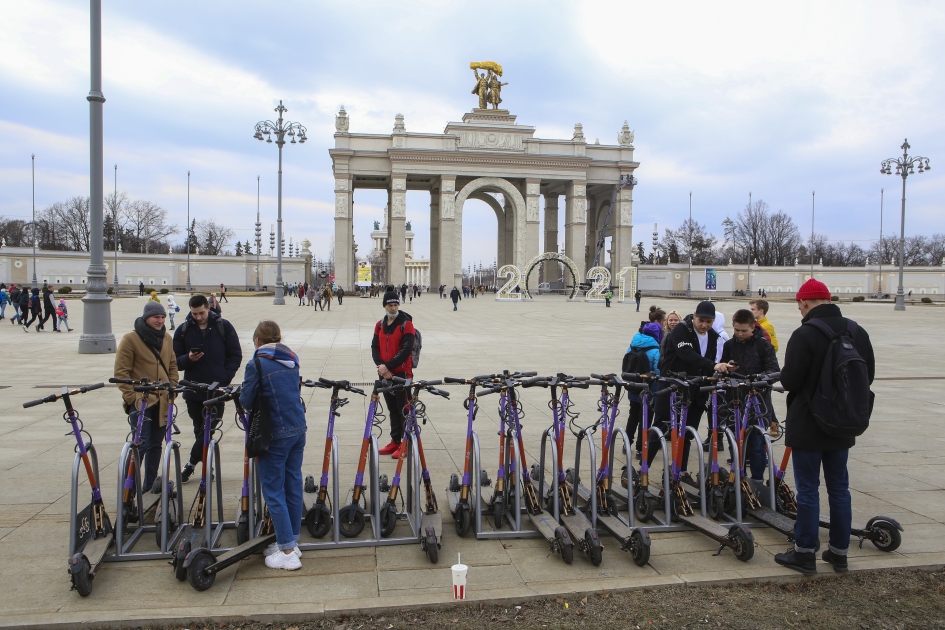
{"x":455,"y":296}
{"x":392,"y":351}
{"x":172,"y":309}
{"x":813,"y":449}
{"x":34,"y":307}
{"x":759,"y":309}
{"x":691,"y":348}
{"x":751,"y":354}
{"x":648,"y":341}
{"x":207,"y":350}
{"x":273,"y":372}
{"x":147,"y":352}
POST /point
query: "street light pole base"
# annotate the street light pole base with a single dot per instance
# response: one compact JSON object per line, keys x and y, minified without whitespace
{"x":279,"y":301}
{"x":900,"y":304}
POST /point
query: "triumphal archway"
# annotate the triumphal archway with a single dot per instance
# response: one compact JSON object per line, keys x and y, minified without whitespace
{"x":487,"y":152}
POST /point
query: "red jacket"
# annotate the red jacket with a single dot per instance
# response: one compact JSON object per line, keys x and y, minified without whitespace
{"x":393,"y":345}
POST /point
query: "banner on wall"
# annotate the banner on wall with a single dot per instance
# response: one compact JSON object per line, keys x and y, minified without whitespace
{"x":364,"y":274}
{"x":710,"y":279}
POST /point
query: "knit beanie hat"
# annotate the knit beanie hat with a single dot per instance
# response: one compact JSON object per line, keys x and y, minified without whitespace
{"x":391,"y":297}
{"x":654,"y":330}
{"x":153,"y":308}
{"x":813,"y":290}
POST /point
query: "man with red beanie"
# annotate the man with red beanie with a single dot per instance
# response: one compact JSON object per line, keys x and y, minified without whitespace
{"x":812,"y":447}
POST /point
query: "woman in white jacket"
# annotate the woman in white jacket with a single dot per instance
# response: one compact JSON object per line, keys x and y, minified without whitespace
{"x":172,"y":309}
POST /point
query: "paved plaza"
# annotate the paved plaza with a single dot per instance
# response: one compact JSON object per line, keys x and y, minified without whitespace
{"x":897,"y":468}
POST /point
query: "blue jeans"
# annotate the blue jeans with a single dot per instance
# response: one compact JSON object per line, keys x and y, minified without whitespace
{"x":149,"y":448}
{"x":280,"y":473}
{"x":807,"y":466}
{"x":757,"y":455}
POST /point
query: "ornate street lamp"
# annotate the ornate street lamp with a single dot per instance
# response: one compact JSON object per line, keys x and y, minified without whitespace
{"x":258,"y":233}
{"x":905,"y":166}
{"x":280,"y":129}
{"x":272,"y":240}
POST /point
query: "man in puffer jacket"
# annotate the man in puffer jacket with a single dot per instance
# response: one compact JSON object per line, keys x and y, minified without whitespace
{"x":648,"y":340}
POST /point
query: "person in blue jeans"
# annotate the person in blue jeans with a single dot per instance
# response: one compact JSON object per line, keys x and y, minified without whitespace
{"x":814,"y":449}
{"x":274,"y":373}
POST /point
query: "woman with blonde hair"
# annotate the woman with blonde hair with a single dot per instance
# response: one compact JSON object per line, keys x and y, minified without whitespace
{"x":274,"y":373}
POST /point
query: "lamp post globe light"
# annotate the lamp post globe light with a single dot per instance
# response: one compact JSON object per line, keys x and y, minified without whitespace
{"x":905,"y":166}
{"x":280,"y":129}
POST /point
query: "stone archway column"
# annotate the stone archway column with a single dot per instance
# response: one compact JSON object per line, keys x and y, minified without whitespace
{"x":622,"y":244}
{"x":575,"y":225}
{"x":551,"y":231}
{"x":448,"y":233}
{"x":396,"y":230}
{"x":344,"y":246}
{"x":434,"y":236}
{"x":595,"y":214}
{"x":532,"y":224}
{"x":508,"y":239}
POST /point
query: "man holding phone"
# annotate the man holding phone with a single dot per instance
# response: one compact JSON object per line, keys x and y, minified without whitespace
{"x":208,"y":351}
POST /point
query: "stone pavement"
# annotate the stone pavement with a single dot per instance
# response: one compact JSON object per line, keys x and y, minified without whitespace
{"x":897,"y":468}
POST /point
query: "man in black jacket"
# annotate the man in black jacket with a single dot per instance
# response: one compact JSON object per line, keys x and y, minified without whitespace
{"x":455,"y":296}
{"x":812,"y":448}
{"x":208,"y":351}
{"x":691,"y":347}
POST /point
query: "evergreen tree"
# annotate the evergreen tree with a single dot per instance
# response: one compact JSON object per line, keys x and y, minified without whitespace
{"x":239,"y":248}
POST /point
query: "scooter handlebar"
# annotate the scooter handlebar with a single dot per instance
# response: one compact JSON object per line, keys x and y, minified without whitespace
{"x":55,"y":397}
{"x":450,"y":379}
{"x":491,"y":390}
{"x":311,"y":383}
{"x":40,"y":401}
{"x":541,"y":381}
{"x":524,"y":374}
{"x":438,"y":392}
{"x":123,"y":381}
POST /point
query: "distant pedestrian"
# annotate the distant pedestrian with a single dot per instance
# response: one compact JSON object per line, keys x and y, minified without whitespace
{"x":63,"y":314}
{"x":24,"y":303}
{"x":764,"y":293}
{"x":15,"y":292}
{"x":223,"y":293}
{"x":49,"y":310}
{"x":302,"y":294}
{"x":154,"y":297}
{"x":172,"y":309}
{"x":455,"y":296}
{"x":638,"y":296}
{"x":35,"y":309}
{"x":403,"y":292}
{"x":215,"y":304}
{"x":318,"y":299}
{"x":608,"y":297}
{"x":340,"y":293}
{"x":310,"y":295}
{"x":140,"y":288}
{"x":327,"y":295}
{"x":4,"y":300}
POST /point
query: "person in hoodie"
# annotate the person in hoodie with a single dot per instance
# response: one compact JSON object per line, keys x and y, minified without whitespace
{"x":208,"y":351}
{"x":172,"y":309}
{"x":15,"y":292}
{"x":648,"y":340}
{"x":4,"y":300}
{"x":273,"y":372}
{"x":392,"y":350}
{"x":752,"y":355}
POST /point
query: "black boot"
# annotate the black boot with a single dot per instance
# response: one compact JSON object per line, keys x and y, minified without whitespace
{"x":839,"y":562}
{"x":806,"y":563}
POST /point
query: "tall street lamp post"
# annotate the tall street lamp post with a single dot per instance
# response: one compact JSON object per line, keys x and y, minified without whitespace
{"x":258,"y":233}
{"x":190,"y":233}
{"x":280,"y":129}
{"x":33,"y":158}
{"x":97,"y":336}
{"x":904,"y":167}
{"x":813,"y":198}
{"x":748,"y":255}
{"x":689,"y":275}
{"x":881,"y":248}
{"x":115,"y":230}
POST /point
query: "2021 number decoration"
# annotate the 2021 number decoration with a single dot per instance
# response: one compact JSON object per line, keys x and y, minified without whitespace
{"x":550,"y":257}
{"x":514,"y":276}
{"x":626,"y":272}
{"x":601,"y":278}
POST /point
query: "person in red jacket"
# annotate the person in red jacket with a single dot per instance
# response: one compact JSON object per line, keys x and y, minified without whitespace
{"x":392,"y":350}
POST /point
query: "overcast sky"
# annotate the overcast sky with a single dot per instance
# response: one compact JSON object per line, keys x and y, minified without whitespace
{"x":779,"y":99}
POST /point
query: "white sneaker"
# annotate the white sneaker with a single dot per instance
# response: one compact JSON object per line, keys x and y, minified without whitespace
{"x":274,"y":548}
{"x":287,"y":561}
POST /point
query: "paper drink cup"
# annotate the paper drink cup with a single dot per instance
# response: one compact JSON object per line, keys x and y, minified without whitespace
{"x":459,"y":580}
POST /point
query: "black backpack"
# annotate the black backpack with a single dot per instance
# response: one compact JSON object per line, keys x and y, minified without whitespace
{"x":842,"y":401}
{"x":636,"y":362}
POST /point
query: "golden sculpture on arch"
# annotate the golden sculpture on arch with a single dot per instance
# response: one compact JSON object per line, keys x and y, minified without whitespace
{"x":488,"y":87}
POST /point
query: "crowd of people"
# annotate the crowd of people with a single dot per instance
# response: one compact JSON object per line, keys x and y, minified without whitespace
{"x":35,"y":305}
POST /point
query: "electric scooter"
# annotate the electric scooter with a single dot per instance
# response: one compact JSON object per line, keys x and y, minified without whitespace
{"x":638,"y":483}
{"x":196,"y":534}
{"x":251,"y":511}
{"x":318,"y":517}
{"x":736,"y":536}
{"x":431,"y":521}
{"x":170,"y":505}
{"x":510,"y":426}
{"x":351,"y":518}
{"x":90,"y":531}
{"x":578,"y":526}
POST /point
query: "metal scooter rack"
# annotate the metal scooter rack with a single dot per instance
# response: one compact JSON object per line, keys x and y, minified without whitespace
{"x":512,"y":515}
{"x":74,"y":499}
{"x":576,"y":481}
{"x":124,"y":546}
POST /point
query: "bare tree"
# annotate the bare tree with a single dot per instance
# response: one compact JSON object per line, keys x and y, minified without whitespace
{"x":213,"y":237}
{"x":692,"y":238}
{"x":145,"y":226}
{"x":15,"y":232}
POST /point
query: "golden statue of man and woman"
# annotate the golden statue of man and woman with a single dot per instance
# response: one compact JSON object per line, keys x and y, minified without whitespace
{"x":488,"y":87}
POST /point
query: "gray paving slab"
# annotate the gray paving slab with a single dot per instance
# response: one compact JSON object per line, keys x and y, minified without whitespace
{"x":896,"y":469}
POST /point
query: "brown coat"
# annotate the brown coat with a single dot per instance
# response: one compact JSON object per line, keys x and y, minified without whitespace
{"x":135,"y":360}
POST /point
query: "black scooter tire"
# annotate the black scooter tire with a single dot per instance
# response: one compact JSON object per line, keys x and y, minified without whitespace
{"x":318,"y":521}
{"x":498,"y":513}
{"x":642,"y":508}
{"x":565,"y":546}
{"x":179,"y":556}
{"x":885,"y":536}
{"x":433,"y":551}
{"x":388,"y":519}
{"x":242,"y":529}
{"x":463,"y":520}
{"x":639,"y":549}
{"x":595,"y":552}
{"x":171,"y":521}
{"x":350,"y":521}
{"x":197,"y":571}
{"x":744,"y":548}
{"x":713,"y":505}
{"x":80,"y":571}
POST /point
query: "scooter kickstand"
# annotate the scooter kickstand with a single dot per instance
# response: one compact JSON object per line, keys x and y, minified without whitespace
{"x":719,"y":552}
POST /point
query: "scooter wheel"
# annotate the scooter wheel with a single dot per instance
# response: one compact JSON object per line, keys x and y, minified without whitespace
{"x":388,"y":520}
{"x":463,"y":520}
{"x":639,"y":548}
{"x":197,"y":573}
{"x":713,"y":504}
{"x":642,"y":509}
{"x":454,"y":483}
{"x":171,"y":521}
{"x":80,"y":570}
{"x":594,"y":550}
{"x":351,"y":521}
{"x":498,"y":513}
{"x":129,"y":513}
{"x":242,"y":529}
{"x":182,"y":550}
{"x":565,"y":546}
{"x":728,"y":500}
{"x":744,"y":549}
{"x":433,"y":551}
{"x":885,"y":536}
{"x":318,"y":521}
